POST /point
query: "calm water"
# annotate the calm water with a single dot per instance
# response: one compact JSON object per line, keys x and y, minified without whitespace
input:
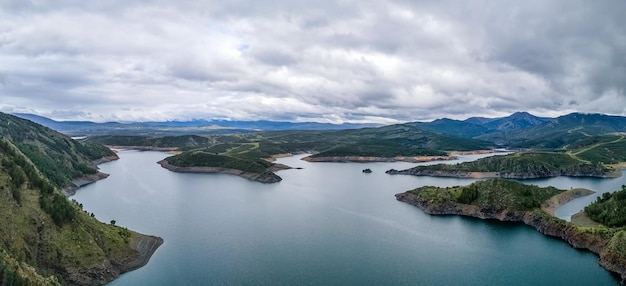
{"x":328,"y":224}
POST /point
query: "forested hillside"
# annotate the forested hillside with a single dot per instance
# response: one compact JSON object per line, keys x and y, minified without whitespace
{"x":47,"y":239}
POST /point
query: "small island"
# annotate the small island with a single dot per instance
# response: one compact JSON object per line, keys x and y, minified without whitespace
{"x":516,"y":202}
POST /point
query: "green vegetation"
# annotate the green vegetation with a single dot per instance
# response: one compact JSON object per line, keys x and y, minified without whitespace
{"x":183,"y":142}
{"x":59,"y":158}
{"x":45,"y":239}
{"x":525,"y":165}
{"x":199,"y":158}
{"x":378,"y":148}
{"x":559,"y":132}
{"x":609,"y":209}
{"x":244,"y":151}
{"x":21,"y":171}
{"x":493,"y":194}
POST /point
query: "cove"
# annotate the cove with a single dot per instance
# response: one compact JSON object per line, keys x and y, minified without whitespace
{"x":327,"y":224}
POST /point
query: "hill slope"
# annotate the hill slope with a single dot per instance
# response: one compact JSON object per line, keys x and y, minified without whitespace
{"x":43,"y":233}
{"x":560,"y":131}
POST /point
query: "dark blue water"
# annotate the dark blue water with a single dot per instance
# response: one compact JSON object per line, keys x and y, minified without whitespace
{"x":328,"y":224}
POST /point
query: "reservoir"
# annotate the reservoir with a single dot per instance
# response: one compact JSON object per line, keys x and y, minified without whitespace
{"x":326,"y":224}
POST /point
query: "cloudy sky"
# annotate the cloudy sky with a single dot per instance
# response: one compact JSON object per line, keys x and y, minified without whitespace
{"x":327,"y":61}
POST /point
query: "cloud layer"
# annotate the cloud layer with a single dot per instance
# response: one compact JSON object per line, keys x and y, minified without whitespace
{"x":330,"y":61}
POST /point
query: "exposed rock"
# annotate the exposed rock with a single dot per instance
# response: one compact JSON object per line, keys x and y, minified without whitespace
{"x":141,"y":250}
{"x":527,"y":175}
{"x":366,"y":159}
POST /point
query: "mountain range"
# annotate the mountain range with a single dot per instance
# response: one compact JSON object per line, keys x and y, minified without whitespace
{"x":518,"y":130}
{"x":175,"y":128}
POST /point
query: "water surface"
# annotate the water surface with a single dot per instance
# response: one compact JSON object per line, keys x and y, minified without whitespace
{"x":327,"y":224}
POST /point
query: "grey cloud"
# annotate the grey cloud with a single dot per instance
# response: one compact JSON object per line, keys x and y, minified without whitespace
{"x":295,"y":60}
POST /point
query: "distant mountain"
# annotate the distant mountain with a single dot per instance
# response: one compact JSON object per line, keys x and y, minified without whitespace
{"x":477,"y":126}
{"x":518,"y":120}
{"x":452,"y":127}
{"x":560,"y":131}
{"x":175,"y":128}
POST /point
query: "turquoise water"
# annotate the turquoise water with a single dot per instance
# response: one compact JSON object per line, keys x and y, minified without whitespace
{"x":327,"y":224}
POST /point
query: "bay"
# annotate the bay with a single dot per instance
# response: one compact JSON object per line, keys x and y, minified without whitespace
{"x":326,"y":224}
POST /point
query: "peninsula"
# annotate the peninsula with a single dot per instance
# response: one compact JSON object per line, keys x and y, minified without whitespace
{"x":512,"y":201}
{"x":521,"y":165}
{"x":200,"y":161}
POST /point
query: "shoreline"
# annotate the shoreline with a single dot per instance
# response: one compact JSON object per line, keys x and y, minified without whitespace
{"x":491,"y":175}
{"x":141,"y":246}
{"x":371,"y":159}
{"x":545,"y":223}
{"x":551,"y":205}
{"x":80,"y":182}
{"x":143,"y":148}
{"x":262,"y":178}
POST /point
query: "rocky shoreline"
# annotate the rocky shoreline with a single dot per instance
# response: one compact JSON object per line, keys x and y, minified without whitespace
{"x":88,"y":179}
{"x":540,"y":220}
{"x":267,"y":178}
{"x":141,"y":249}
{"x":366,"y":159}
{"x":490,"y":175}
{"x":141,"y":246}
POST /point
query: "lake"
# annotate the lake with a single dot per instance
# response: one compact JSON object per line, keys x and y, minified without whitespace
{"x":326,"y":224}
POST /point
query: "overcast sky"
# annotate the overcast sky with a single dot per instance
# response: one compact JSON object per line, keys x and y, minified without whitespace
{"x":327,"y":61}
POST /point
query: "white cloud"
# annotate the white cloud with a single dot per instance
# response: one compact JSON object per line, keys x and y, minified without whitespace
{"x":330,"y":61}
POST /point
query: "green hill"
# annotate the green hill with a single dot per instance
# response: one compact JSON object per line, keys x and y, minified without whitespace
{"x":523,"y":165}
{"x":609,"y":209}
{"x":494,"y":194}
{"x":47,"y":239}
{"x":560,"y":131}
{"x":59,"y":158}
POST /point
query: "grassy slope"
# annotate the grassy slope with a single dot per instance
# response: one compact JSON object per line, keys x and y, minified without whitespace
{"x":201,"y":158}
{"x":61,"y":238}
{"x":57,"y":156}
{"x":592,"y":156}
{"x":496,"y":194}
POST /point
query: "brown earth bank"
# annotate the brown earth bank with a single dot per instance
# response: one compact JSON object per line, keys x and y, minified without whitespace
{"x":277,"y":156}
{"x":143,"y":148}
{"x":367,"y":159}
{"x":484,"y":175}
{"x":77,"y":183}
{"x":537,"y":218}
{"x":141,"y":249}
{"x":263,"y":178}
{"x":560,"y":199}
